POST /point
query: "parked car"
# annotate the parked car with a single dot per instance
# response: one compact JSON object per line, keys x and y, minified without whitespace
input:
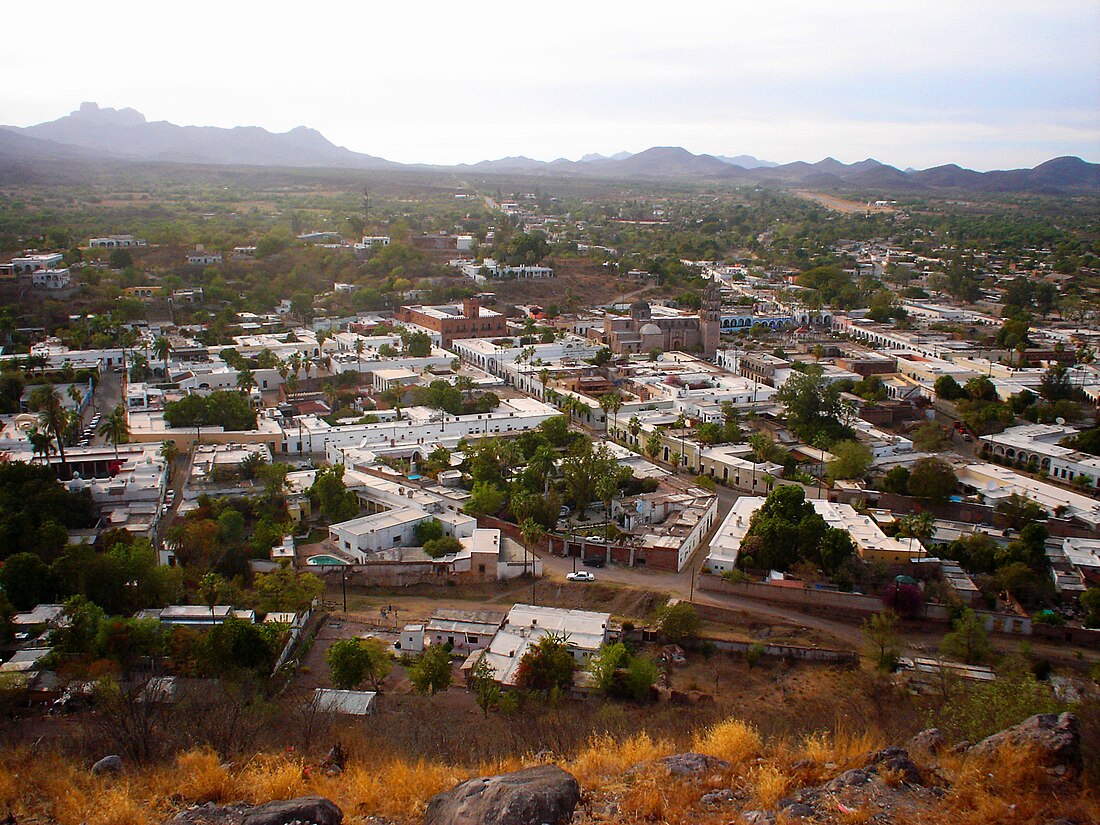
{"x":563,"y":512}
{"x":581,"y":576}
{"x":593,"y":561}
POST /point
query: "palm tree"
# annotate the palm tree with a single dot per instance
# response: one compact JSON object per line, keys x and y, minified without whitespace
{"x":296,"y":362}
{"x":634,"y":426}
{"x":52,"y":416}
{"x":329,"y":393}
{"x":920,"y":526}
{"x":544,"y":379}
{"x":543,"y":462}
{"x":532,"y":533}
{"x":291,"y":383}
{"x":115,"y":428}
{"x":162,"y":348}
{"x":611,"y":402}
{"x":246,"y":379}
{"x":126,"y":339}
{"x":283,"y":369}
{"x":41,"y":443}
{"x":75,"y":394}
{"x":359,"y":347}
{"x":169,"y":452}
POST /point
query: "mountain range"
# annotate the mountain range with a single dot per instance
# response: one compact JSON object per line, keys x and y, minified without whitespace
{"x":92,"y":133}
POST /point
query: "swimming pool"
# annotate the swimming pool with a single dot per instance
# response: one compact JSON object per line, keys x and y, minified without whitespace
{"x":324,"y":560}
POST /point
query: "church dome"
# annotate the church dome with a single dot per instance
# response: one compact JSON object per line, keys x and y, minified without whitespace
{"x":650,"y":329}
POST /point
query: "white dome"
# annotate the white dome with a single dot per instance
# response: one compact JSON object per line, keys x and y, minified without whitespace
{"x":650,"y":329}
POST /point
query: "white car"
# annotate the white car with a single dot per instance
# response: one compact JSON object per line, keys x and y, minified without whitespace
{"x":581,"y":576}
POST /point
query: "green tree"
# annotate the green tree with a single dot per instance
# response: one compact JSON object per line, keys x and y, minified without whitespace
{"x":881,"y":639}
{"x":428,"y":530}
{"x":968,"y":640}
{"x":933,"y":480}
{"x":486,"y":499}
{"x":679,"y":622}
{"x":1055,"y":384}
{"x":930,"y":437}
{"x":25,"y":579}
{"x":947,"y":388}
{"x":286,"y":591}
{"x":483,"y":684}
{"x":442,"y":546}
{"x":896,"y":481}
{"x":852,"y":460}
{"x":336,"y":501}
{"x":354,"y":661}
{"x":432,"y":671}
{"x":547,"y":666}
{"x":1090,"y":602}
{"x":814,"y":407}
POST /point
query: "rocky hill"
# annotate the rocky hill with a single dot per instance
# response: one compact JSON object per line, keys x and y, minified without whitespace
{"x":1031,"y":773}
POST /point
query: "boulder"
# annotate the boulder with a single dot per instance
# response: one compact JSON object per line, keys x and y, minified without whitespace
{"x":894,"y":759}
{"x":305,"y":810}
{"x":107,"y":765}
{"x":756,"y":818}
{"x":692,"y":764}
{"x":1055,"y":739}
{"x":543,"y":795}
{"x":798,"y":810}
{"x":926,"y":745}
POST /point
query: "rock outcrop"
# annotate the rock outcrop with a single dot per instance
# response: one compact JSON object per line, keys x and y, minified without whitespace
{"x":692,"y":764}
{"x":1054,"y":739}
{"x":543,"y":795}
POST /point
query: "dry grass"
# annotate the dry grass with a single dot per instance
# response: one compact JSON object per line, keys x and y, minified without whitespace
{"x":769,"y":784}
{"x":604,"y":756}
{"x":732,"y":740}
{"x":841,"y":746}
{"x":1013,"y":789}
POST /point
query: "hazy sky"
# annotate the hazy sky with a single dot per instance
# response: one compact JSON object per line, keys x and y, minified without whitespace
{"x":984,"y":83}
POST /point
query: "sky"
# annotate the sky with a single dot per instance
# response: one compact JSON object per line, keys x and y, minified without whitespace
{"x":987,"y":85}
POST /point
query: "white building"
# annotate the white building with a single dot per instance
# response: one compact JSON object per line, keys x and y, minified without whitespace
{"x":369,"y":535}
{"x":583,"y":631}
{"x":1039,"y":443}
{"x":995,"y":484}
{"x":116,"y":242}
{"x":27,"y":264}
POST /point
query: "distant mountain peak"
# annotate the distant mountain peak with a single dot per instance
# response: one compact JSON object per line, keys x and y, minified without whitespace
{"x":90,"y":110}
{"x":125,"y":134}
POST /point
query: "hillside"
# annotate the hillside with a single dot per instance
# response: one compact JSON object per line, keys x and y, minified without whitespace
{"x":1028,"y":774}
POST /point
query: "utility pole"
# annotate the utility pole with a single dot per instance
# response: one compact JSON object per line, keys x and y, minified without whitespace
{"x":366,"y":211}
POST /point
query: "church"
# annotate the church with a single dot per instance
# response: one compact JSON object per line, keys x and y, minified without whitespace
{"x":643,"y":331}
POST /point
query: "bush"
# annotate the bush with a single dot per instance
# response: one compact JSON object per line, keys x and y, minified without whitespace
{"x":679,"y":622}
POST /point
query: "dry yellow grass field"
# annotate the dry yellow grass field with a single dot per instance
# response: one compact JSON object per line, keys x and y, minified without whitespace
{"x":49,"y":788}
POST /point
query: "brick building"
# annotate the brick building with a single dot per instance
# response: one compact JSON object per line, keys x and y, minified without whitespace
{"x":466,"y":320}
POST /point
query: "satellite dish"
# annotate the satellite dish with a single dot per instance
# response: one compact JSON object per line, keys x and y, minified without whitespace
{"x":1059,"y":421}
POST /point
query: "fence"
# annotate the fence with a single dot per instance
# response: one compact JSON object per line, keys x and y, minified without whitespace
{"x":301,"y":622}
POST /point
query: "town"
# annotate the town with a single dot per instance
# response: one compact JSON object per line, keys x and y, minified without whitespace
{"x":495,"y":448}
